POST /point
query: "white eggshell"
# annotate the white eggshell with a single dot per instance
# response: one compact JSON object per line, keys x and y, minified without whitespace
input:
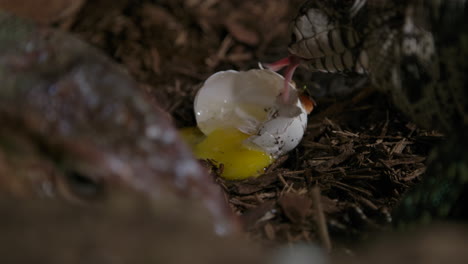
{"x":280,"y":135}
{"x":248,"y":101}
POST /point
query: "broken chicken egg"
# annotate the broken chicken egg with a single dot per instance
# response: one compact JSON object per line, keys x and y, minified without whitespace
{"x":245,"y":121}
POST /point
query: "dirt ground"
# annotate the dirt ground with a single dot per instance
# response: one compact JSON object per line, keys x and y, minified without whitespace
{"x":357,"y":158}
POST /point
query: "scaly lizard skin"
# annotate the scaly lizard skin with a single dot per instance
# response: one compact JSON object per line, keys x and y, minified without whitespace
{"x":73,"y":124}
{"x":416,"y":51}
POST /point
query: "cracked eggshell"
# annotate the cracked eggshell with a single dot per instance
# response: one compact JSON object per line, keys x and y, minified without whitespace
{"x":249,"y":101}
{"x":280,"y":135}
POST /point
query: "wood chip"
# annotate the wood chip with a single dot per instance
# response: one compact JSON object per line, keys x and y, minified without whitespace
{"x":242,"y":33}
{"x":295,"y":207}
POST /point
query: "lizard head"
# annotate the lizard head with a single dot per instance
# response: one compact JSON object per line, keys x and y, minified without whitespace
{"x":74,"y":125}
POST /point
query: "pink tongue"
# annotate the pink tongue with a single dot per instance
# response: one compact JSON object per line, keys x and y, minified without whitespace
{"x":291,"y":63}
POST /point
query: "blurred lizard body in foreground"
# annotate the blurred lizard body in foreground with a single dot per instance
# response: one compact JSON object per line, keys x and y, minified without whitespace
{"x":129,"y":229}
{"x":416,"y":52}
{"x":126,"y":228}
{"x":73,"y":123}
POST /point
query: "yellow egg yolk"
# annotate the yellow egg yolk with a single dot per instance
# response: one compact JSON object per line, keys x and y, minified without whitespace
{"x":226,"y":146}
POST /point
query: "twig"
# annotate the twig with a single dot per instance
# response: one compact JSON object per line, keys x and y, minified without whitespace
{"x":349,"y":187}
{"x":321,"y":220}
{"x":283,"y":181}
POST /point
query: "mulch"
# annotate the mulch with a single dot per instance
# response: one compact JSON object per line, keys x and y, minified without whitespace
{"x":357,"y":158}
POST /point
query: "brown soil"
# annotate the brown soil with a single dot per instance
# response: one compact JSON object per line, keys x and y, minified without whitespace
{"x":358,"y":156}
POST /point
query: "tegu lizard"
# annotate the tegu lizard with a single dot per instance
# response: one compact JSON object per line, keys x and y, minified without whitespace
{"x":73,"y":124}
{"x":415,"y":51}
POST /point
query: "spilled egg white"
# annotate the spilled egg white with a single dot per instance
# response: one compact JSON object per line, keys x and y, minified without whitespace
{"x":249,"y":101}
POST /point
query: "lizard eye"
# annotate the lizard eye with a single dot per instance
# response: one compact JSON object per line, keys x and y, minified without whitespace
{"x":82,"y":187}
